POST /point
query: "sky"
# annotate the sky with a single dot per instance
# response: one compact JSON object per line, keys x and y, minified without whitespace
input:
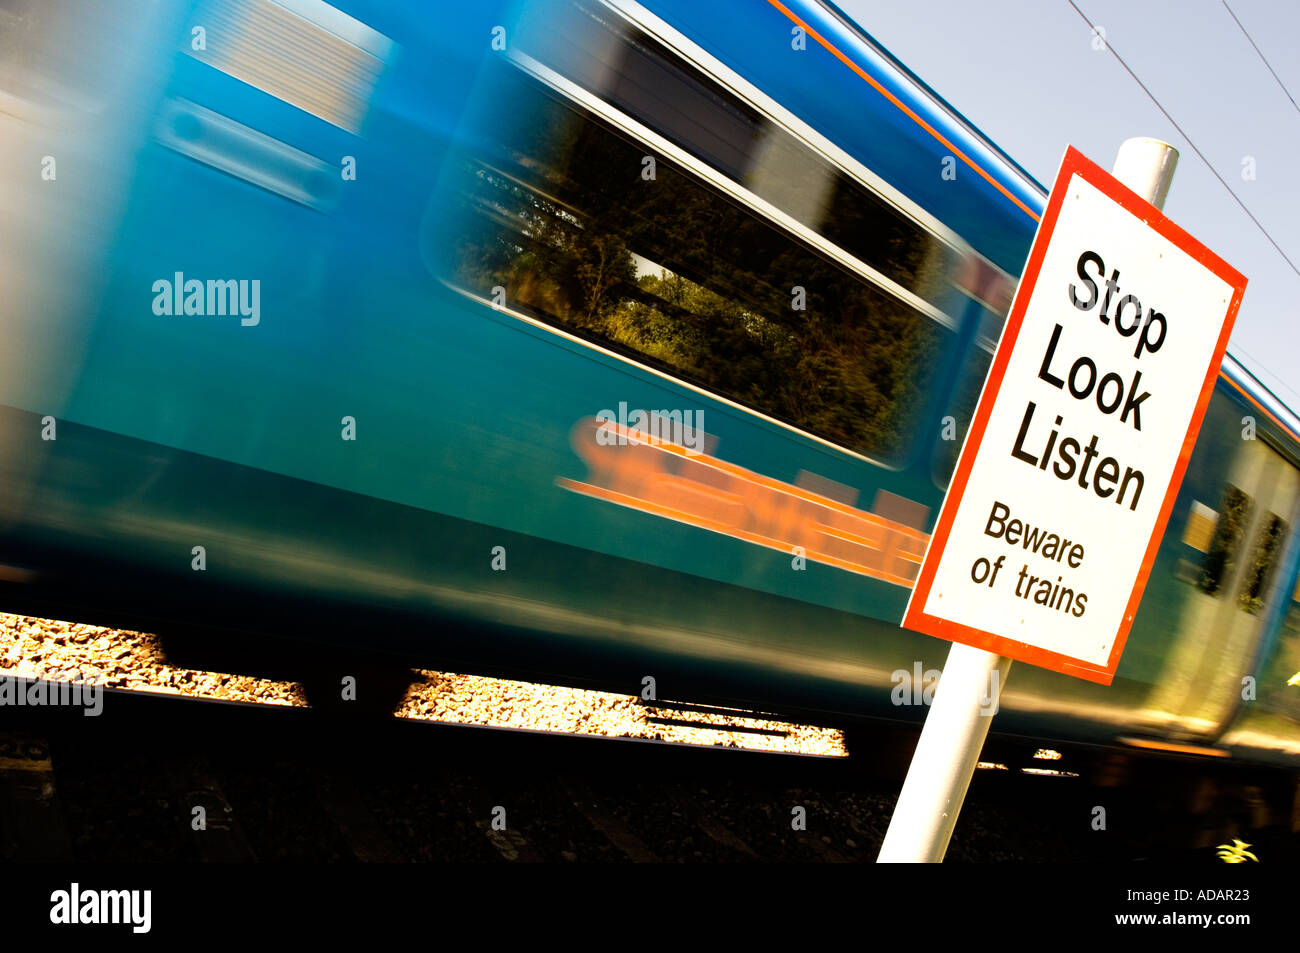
{"x":1030,"y":75}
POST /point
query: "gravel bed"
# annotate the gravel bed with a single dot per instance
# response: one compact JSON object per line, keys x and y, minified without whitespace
{"x":124,"y":804}
{"x":472,"y":699}
{"x":117,"y":658}
{"x":50,"y":649}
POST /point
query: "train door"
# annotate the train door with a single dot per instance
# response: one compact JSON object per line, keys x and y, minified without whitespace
{"x":1241,"y":537}
{"x":1271,"y":723}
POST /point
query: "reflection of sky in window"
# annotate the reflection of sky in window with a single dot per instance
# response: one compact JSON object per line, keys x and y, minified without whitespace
{"x":644,"y":266}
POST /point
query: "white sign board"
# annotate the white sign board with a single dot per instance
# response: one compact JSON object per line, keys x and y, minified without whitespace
{"x":1081,"y":436}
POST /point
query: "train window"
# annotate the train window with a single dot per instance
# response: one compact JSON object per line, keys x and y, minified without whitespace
{"x":640,"y":76}
{"x":560,"y":211}
{"x":1261,"y":567}
{"x":1223,"y":545}
{"x":1199,"y":531}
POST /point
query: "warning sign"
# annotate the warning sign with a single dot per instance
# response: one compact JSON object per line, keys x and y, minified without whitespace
{"x":1082,"y":433}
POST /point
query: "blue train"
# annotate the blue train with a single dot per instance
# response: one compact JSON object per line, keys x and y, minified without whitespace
{"x":579,"y":340}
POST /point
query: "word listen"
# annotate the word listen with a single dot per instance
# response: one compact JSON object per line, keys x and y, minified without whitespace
{"x":1107,"y":389}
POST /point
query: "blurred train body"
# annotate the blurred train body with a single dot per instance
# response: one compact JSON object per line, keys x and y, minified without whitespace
{"x":364,"y":299}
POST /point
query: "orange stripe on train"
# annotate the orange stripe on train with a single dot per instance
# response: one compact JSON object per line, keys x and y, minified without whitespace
{"x":667,"y":480}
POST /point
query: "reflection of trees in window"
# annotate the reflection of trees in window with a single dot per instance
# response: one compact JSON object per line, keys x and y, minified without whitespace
{"x":649,"y":82}
{"x":1261,"y":568}
{"x":883,"y":238}
{"x":676,"y":274}
{"x":1223,"y":545}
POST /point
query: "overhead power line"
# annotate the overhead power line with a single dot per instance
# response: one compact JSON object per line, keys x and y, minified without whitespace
{"x":1188,"y":140}
{"x":1262,"y":57}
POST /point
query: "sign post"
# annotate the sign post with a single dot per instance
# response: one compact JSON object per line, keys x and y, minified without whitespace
{"x":1071,"y":463}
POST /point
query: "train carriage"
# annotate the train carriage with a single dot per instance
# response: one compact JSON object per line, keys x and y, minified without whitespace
{"x":578,"y":340}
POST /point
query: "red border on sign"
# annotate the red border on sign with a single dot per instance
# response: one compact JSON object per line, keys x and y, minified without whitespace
{"x":1074,"y":163}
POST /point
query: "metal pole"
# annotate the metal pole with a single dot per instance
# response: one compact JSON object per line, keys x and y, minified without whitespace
{"x":944,"y":761}
{"x":966,"y":697}
{"x":1147,"y":167}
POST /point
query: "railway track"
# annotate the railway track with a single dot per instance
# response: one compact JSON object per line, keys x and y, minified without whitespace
{"x":168,"y":772}
{"x":160,"y":780}
{"x":214,"y":781}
